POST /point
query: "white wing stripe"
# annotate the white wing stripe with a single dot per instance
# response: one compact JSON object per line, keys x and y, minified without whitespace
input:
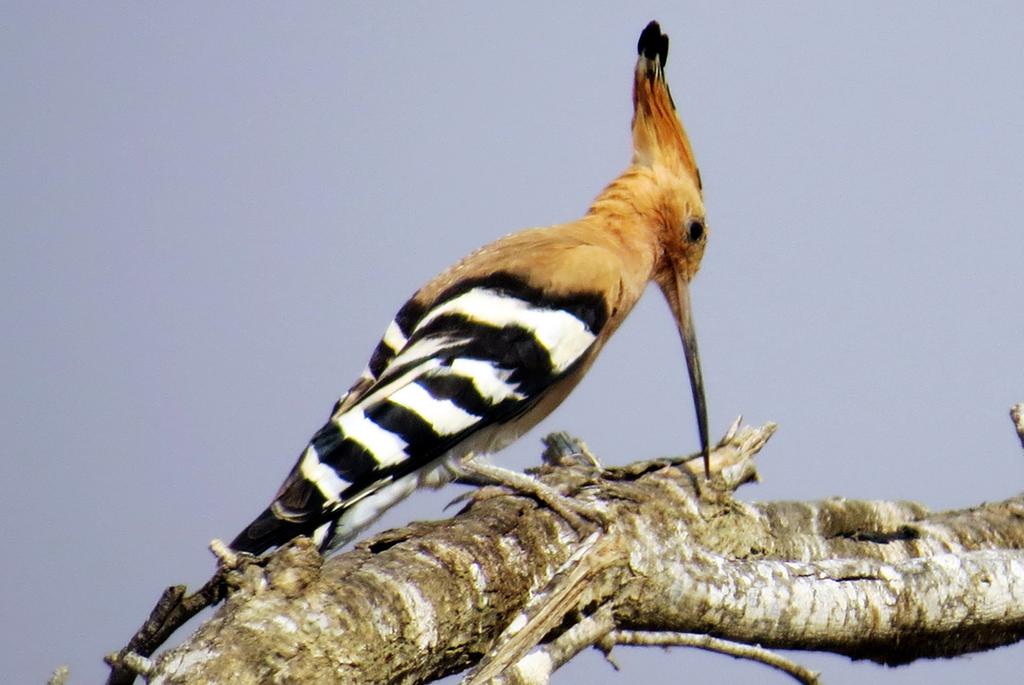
{"x":444,"y":416}
{"x":386,"y":447}
{"x":322,"y":476}
{"x":563,"y":335}
{"x":489,"y":380}
{"x":421,"y":349}
{"x":393,"y":337}
{"x":385,"y":390}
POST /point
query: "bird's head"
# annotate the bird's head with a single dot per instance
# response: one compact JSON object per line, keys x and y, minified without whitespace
{"x":674,"y":198}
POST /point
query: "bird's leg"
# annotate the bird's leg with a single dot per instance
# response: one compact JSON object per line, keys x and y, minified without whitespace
{"x":576,"y":514}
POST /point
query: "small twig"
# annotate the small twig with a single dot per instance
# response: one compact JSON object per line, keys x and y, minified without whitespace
{"x":573,"y":512}
{"x":714,"y":644}
{"x":138,"y":663}
{"x":731,"y":432}
{"x":226,"y":557}
{"x":732,"y":457}
{"x":589,"y":631}
{"x":172,"y":610}
{"x":60,"y":676}
{"x":1017,"y":414}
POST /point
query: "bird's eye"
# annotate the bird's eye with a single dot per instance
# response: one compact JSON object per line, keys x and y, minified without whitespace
{"x":695,"y":230}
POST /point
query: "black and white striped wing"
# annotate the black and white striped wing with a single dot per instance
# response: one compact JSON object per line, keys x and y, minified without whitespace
{"x":482,"y":355}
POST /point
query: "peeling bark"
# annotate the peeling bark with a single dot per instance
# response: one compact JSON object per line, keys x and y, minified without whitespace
{"x":511,"y":590}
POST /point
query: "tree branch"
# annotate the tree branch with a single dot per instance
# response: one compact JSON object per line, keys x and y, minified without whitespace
{"x":507,"y":586}
{"x":1017,"y":416}
{"x":713,"y":644}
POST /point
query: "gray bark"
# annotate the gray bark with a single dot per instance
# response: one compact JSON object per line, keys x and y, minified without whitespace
{"x":510,"y":588}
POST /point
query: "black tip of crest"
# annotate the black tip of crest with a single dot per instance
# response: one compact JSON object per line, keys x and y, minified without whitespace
{"x":653,"y":43}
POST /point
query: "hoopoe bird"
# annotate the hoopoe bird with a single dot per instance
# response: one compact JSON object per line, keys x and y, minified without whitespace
{"x":493,"y":344}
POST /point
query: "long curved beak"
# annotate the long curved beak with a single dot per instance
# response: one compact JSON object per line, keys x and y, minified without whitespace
{"x":678,"y":296}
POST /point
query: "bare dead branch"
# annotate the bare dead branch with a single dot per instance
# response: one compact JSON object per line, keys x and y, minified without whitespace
{"x":509,"y":586}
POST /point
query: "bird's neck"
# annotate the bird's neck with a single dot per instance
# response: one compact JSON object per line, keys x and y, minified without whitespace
{"x":624,"y":216}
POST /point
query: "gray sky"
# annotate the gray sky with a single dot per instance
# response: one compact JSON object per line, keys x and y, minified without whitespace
{"x":211,"y":212}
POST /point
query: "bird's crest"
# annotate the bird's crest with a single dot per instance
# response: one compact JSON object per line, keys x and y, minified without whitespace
{"x":658,"y":134}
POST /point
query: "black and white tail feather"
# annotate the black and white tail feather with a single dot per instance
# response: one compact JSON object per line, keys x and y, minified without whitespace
{"x":446,"y":381}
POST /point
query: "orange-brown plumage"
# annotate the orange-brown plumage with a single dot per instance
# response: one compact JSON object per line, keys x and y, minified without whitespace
{"x":637,"y":229}
{"x":494,"y":343}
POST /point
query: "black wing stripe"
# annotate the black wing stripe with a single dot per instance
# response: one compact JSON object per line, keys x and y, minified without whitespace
{"x":350,"y":460}
{"x":507,"y":347}
{"x":417,"y":431}
{"x":461,"y":391}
